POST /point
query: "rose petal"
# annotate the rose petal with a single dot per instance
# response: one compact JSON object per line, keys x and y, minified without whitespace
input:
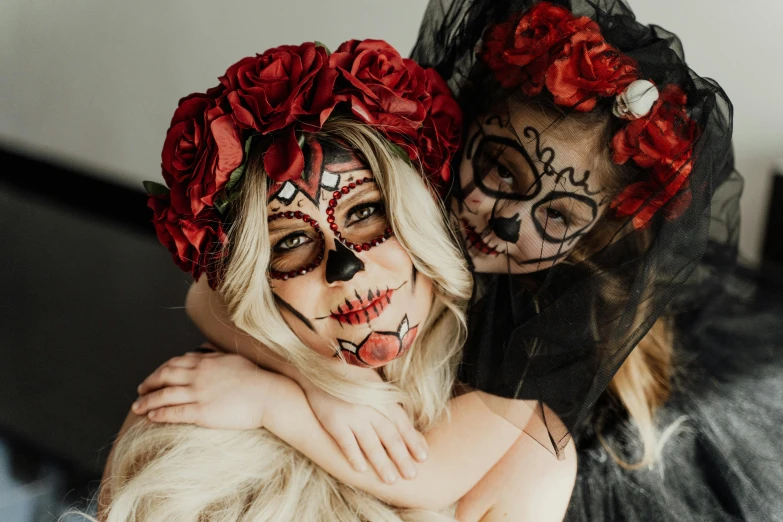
{"x":284,"y":160}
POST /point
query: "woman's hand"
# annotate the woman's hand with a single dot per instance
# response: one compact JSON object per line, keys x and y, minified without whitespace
{"x":388,"y":439}
{"x":384,"y":437}
{"x":212,"y":390}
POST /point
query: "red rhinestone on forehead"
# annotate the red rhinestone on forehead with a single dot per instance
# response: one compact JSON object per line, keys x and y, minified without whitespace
{"x":285,"y":276}
{"x":364,"y":247}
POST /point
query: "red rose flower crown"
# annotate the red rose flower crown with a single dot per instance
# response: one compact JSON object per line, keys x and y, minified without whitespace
{"x":547,"y":46}
{"x":283,"y":93}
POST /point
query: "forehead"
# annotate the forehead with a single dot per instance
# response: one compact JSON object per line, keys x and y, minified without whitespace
{"x":534,"y":128}
{"x":328,"y":167}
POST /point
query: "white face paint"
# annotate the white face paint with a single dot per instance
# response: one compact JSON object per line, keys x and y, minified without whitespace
{"x":527,"y":193}
{"x":342,"y":281}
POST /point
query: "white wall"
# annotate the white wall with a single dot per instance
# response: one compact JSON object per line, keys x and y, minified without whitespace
{"x":94,"y":82}
{"x":738,"y":44}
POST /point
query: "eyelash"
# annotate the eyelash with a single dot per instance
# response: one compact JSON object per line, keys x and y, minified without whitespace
{"x":377,"y":205}
{"x":279,"y":245}
{"x":503,"y":170}
{"x":560,"y":216}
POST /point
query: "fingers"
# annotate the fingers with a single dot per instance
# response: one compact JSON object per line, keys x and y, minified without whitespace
{"x":350,"y":447}
{"x":395,"y":447}
{"x":167,"y":375}
{"x":375,"y":452}
{"x":180,"y":414}
{"x":415,"y":441}
{"x":169,"y":396}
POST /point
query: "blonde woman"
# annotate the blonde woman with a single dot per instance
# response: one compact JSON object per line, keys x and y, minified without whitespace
{"x":352,"y":257}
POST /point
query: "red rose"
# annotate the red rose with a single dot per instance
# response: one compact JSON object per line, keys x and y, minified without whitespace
{"x":195,"y":243}
{"x":496,"y":41}
{"x":520,"y":54}
{"x":202,"y":148}
{"x":186,"y":135}
{"x":285,"y":84}
{"x":381,"y":87}
{"x":664,"y":137}
{"x":662,"y":142}
{"x":644,"y":198}
{"x":588,"y":68}
{"x":440,"y":135}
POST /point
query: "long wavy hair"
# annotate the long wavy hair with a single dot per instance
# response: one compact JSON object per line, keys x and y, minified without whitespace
{"x":174,"y":473}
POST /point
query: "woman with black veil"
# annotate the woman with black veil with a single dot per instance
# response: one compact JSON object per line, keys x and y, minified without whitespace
{"x":598,"y":201}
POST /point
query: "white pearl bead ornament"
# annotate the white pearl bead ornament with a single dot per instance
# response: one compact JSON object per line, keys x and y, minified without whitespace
{"x":636,"y":100}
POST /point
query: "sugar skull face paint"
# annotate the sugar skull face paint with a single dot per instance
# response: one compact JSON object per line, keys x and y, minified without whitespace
{"x":526,"y":194}
{"x":341,"y":279}
{"x":380,"y":347}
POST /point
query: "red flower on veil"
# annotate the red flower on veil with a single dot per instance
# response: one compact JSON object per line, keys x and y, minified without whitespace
{"x":547,"y":46}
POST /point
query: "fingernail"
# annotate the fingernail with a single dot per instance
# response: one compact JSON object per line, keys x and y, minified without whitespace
{"x":390,"y":478}
{"x":361,"y":466}
{"x":135,"y":406}
{"x":409,"y":471}
{"x":151,"y":414}
{"x":138,"y":388}
{"x":421,"y":454}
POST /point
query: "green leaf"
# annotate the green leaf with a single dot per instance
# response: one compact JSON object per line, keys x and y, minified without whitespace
{"x":155,"y":189}
{"x":221,"y":204}
{"x":399,"y":151}
{"x":233,"y":196}
{"x":321,"y":44}
{"x":235,"y":176}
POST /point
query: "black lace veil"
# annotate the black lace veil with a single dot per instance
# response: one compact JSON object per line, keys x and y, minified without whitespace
{"x":556,"y":311}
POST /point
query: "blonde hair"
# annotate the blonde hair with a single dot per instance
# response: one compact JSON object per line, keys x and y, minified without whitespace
{"x":184,"y":473}
{"x":419,"y":225}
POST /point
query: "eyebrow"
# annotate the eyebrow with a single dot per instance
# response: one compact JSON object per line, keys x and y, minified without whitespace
{"x":291,"y":225}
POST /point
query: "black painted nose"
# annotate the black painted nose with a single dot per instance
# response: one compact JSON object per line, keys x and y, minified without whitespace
{"x":506,"y":229}
{"x":341,"y":264}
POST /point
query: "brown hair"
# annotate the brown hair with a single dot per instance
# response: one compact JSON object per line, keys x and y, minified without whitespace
{"x":642,"y":383}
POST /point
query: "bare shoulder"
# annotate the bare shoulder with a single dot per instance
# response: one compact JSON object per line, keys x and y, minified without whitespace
{"x":528,"y":483}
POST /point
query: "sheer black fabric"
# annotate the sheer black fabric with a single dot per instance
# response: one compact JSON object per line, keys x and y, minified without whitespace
{"x":720,"y":445}
{"x":556,"y":311}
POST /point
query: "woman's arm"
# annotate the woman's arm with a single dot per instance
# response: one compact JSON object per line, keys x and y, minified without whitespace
{"x":462,"y":450}
{"x":230,"y":392}
{"x":354,"y":427}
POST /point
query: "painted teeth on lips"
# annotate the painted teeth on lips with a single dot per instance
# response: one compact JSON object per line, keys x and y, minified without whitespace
{"x":364,"y":308}
{"x":475,"y":241}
